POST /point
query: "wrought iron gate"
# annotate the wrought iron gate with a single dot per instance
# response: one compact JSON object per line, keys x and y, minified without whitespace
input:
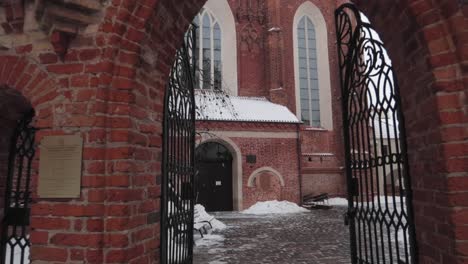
{"x":380,"y":211}
{"x":15,"y":225}
{"x":178,"y":159}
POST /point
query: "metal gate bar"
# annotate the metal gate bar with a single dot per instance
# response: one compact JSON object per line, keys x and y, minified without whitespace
{"x":15,"y":242}
{"x":380,"y":211}
{"x":178,"y":159}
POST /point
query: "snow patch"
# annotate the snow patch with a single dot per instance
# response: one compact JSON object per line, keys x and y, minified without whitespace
{"x":377,"y":199}
{"x":17,"y":254}
{"x":274,"y":207}
{"x":210,"y":240}
{"x":402,"y":233}
{"x":338,"y":201}
{"x":204,"y":216}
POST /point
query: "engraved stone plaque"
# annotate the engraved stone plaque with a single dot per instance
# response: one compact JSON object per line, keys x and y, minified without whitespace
{"x":60,"y":167}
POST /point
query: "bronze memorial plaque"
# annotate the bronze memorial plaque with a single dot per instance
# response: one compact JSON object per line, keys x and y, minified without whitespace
{"x":60,"y":167}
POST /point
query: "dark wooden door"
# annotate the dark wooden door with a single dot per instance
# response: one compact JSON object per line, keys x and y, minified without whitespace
{"x":215,"y":185}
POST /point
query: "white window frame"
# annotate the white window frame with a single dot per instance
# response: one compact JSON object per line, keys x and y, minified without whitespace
{"x":323,"y":65}
{"x":222,"y":13}
{"x":200,"y":40}
{"x":308,"y":56}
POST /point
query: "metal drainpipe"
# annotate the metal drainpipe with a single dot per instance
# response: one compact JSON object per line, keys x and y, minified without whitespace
{"x":299,"y":163}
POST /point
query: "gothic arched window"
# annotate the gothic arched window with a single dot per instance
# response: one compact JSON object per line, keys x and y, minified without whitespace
{"x":308,"y":73}
{"x":312,"y":67}
{"x":208,"y":51}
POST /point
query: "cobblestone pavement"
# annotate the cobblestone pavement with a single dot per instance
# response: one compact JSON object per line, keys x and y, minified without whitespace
{"x":316,"y":237}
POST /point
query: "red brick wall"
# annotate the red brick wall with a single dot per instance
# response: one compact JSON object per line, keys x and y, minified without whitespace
{"x":317,"y":177}
{"x":280,"y":154}
{"x":105,"y":90}
{"x":322,"y":163}
{"x":14,"y":14}
{"x":245,"y":126}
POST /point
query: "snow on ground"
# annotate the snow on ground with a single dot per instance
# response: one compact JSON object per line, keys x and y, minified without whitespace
{"x":210,"y":240}
{"x":204,"y":216}
{"x":17,"y":257}
{"x":338,"y":201}
{"x":382,"y":200}
{"x":274,"y":207}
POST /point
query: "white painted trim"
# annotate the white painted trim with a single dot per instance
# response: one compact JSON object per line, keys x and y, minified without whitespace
{"x":318,"y":154}
{"x":221,"y":10}
{"x":236,"y":166}
{"x":314,"y":129}
{"x":323,"y":64}
{"x":254,"y":134}
{"x":261,"y":170}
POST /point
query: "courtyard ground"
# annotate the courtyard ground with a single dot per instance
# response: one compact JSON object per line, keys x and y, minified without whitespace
{"x":315,"y":237}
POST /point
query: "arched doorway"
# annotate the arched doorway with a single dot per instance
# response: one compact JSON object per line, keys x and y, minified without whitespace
{"x":17,"y":150}
{"x":214,"y":177}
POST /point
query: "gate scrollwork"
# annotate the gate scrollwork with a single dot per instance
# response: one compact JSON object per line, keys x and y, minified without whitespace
{"x":380,"y":213}
{"x":178,"y":158}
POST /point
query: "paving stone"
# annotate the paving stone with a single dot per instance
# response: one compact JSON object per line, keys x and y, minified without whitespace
{"x":315,"y":237}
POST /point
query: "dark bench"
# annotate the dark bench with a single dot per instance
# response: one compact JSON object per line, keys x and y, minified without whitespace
{"x":200,"y":225}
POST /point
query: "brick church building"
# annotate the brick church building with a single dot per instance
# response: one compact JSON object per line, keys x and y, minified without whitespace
{"x":281,"y":119}
{"x":85,"y":82}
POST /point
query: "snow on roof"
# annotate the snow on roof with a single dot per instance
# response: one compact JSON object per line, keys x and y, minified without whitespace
{"x":219,"y":107}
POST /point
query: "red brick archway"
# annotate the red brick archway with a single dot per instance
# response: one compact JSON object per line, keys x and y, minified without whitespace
{"x":109,"y":88}
{"x":23,"y":85}
{"x":429,"y":51}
